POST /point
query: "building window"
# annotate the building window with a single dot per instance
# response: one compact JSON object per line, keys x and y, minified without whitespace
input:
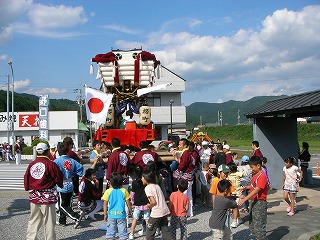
{"x":154,"y":99}
{"x":68,"y":134}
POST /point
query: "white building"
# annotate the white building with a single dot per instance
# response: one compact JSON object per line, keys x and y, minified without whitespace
{"x":159,"y":101}
{"x":160,"y":104}
{"x":26,"y":126}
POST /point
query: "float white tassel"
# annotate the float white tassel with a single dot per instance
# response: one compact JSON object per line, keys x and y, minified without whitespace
{"x":158,"y":71}
{"x":114,"y":70}
{"x":91,"y":68}
{"x":140,"y":62}
{"x":99,"y":74}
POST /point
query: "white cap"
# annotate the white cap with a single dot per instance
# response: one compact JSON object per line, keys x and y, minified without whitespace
{"x":53,"y":145}
{"x":205,"y":143}
{"x":41,"y":147}
{"x":226,"y":147}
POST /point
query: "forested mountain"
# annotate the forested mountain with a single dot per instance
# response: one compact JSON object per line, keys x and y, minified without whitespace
{"x":208,"y":112}
{"x":26,"y":102}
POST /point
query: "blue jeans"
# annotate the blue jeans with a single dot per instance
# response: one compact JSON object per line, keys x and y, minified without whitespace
{"x":304,"y":170}
{"x":115,"y":225}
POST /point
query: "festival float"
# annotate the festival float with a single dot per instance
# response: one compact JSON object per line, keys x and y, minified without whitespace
{"x":128,"y":75}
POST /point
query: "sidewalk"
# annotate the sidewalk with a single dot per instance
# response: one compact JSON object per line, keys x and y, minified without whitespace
{"x":14,"y":214}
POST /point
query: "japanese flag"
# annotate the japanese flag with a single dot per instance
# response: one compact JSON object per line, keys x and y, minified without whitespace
{"x":97,"y":105}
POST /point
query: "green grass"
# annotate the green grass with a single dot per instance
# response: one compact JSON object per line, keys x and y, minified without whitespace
{"x":241,"y":136}
{"x":316,"y":237}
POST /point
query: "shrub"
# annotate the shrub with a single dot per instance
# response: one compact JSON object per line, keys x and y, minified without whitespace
{"x":27,"y":150}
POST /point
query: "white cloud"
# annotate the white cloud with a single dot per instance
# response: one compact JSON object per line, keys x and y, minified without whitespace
{"x":3,"y":57}
{"x":23,"y":16}
{"x":9,"y":12}
{"x":122,"y":29}
{"x":285,"y":48}
{"x":122,"y":44}
{"x":194,"y":22}
{"x":42,"y":91}
{"x":28,"y":29}
{"x":53,"y":17}
{"x":25,"y":86}
{"x":21,"y":84}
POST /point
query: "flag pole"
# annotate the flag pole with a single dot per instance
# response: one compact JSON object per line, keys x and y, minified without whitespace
{"x":90,"y":133}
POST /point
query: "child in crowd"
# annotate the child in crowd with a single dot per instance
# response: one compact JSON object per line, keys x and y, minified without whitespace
{"x":224,"y":171}
{"x":98,"y":163}
{"x":157,"y":205}
{"x":140,"y":201}
{"x":265,"y":170}
{"x":258,"y":194}
{"x":235,"y":158}
{"x":289,"y":183}
{"x":89,"y":198}
{"x":178,"y":205}
{"x":219,"y":220}
{"x":204,"y":180}
{"x":245,"y":180}
{"x":213,"y":173}
{"x":235,"y":178}
{"x":114,"y":210}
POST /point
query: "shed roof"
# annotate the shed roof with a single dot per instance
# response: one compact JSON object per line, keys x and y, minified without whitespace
{"x":298,"y":105}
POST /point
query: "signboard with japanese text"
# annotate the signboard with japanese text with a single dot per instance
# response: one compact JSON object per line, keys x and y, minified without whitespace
{"x":28,"y":120}
{"x":43,"y":117}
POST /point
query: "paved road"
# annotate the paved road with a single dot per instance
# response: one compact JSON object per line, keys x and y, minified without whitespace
{"x":14,"y":214}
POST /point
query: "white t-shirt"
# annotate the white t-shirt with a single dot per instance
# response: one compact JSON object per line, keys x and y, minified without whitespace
{"x":203,"y":177}
{"x":161,"y":209}
{"x":291,"y":175}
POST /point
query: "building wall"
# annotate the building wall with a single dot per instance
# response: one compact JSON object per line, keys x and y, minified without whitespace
{"x":159,"y":101}
{"x":61,"y":124}
{"x":278,"y":139}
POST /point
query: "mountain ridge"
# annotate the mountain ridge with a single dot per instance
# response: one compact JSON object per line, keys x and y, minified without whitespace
{"x":197,"y":112}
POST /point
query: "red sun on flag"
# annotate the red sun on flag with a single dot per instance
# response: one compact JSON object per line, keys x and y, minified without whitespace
{"x":95,"y":105}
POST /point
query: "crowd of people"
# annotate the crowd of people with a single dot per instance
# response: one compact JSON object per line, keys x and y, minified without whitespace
{"x":141,"y":186}
{"x":11,"y":153}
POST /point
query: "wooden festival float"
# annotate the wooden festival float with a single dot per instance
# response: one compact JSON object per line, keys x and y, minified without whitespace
{"x":129,"y":75}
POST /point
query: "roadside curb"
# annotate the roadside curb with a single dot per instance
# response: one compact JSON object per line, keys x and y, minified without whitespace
{"x":307,"y":236}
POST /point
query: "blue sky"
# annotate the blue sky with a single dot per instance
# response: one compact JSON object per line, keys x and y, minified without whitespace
{"x":225,"y":50}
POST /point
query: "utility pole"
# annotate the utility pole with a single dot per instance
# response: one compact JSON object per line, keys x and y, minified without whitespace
{"x":79,"y":99}
{"x":238,"y":116}
{"x":220,"y":119}
{"x":8,"y":109}
{"x":200,"y":121}
{"x":12,"y":108}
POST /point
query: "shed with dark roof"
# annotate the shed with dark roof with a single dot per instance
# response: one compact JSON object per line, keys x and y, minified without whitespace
{"x":275,"y":127}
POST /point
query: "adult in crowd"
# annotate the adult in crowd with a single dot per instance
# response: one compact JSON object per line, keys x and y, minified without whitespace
{"x":196,"y":186}
{"x":256,"y":149}
{"x":40,"y":179}
{"x":185,"y":170}
{"x":205,"y":153}
{"x":98,"y":161}
{"x":89,"y":201}
{"x":53,"y":151}
{"x":69,"y":167}
{"x":17,"y":152}
{"x":220,"y":157}
{"x":304,"y":157}
{"x":118,"y":161}
{"x":142,"y":157}
{"x":69,"y":142}
{"x":226,"y":150}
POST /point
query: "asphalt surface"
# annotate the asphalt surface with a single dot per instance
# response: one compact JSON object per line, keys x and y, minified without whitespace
{"x":14,"y":215}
